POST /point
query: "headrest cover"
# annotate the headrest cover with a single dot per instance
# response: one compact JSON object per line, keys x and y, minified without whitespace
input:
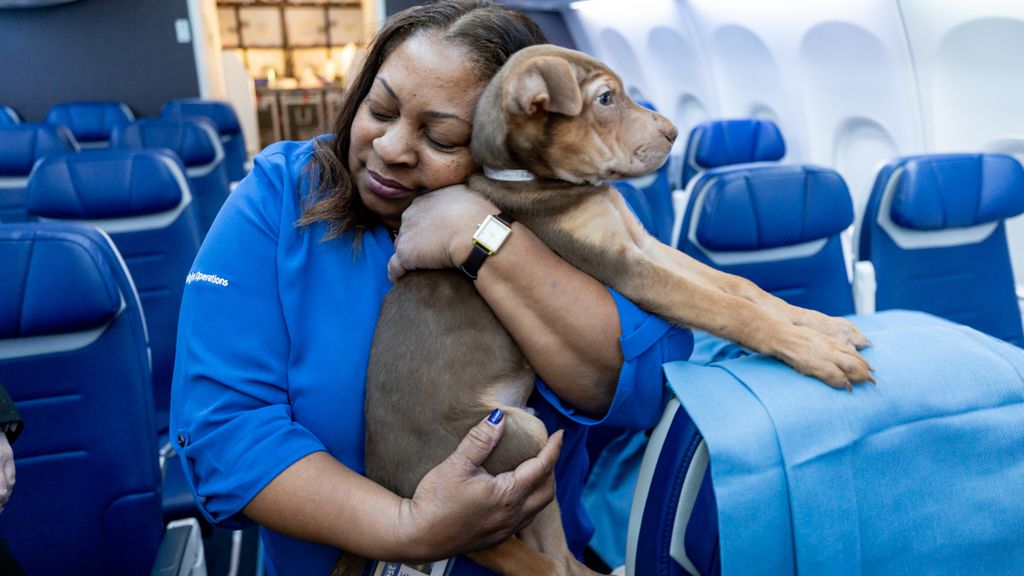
{"x":22,"y":144}
{"x":726,"y":142}
{"x":186,"y":137}
{"x":53,"y":283}
{"x":8,"y":116}
{"x":221,"y":114}
{"x":90,"y":121}
{"x":772,"y":206}
{"x":104,"y":184}
{"x":957,"y":190}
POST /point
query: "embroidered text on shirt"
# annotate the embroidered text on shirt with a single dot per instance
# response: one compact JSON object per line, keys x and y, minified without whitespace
{"x":200,"y":277}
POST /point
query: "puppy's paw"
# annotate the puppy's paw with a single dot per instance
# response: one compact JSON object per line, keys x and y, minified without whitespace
{"x":840,"y":329}
{"x":820,"y":356}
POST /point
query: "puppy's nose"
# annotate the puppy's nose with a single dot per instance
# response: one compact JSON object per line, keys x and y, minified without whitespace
{"x":669,"y":131}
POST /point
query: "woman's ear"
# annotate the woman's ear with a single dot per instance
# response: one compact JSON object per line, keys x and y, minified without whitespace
{"x":543,"y":84}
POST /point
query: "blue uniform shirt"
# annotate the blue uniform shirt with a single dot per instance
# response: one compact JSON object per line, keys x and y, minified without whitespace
{"x":273,"y":344}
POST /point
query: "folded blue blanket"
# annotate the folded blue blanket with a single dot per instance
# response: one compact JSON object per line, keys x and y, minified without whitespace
{"x":921,"y":474}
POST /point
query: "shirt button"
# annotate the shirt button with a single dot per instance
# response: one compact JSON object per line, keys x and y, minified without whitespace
{"x":181,"y":441}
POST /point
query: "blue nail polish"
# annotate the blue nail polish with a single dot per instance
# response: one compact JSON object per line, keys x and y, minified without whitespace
{"x":496,"y":416}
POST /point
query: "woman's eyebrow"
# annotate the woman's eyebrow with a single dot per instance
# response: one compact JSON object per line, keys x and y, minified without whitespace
{"x":434,"y":114}
{"x":431,"y":113}
{"x":388,"y":88}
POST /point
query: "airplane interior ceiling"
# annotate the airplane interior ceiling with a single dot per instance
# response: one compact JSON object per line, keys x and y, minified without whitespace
{"x":850,"y":83}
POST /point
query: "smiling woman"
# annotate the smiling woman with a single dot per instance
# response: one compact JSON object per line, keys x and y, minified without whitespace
{"x":269,"y":382}
{"x":411,"y":133}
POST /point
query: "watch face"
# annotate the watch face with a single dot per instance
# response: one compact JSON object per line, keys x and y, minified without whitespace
{"x":491,"y":234}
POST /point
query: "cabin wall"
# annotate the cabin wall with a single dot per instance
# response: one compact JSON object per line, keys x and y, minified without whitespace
{"x":850,"y":84}
{"x":124,"y":50}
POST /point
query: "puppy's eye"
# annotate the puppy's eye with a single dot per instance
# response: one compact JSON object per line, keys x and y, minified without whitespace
{"x":605,"y":98}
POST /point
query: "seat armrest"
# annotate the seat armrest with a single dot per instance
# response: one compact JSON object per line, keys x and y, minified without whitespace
{"x":864,"y":287}
{"x":181,"y":551}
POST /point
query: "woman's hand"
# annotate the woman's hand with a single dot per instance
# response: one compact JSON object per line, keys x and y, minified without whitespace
{"x":458,"y":507}
{"x":437,"y":230}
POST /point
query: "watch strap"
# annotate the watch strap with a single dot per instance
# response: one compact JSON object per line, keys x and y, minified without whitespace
{"x":471,"y":267}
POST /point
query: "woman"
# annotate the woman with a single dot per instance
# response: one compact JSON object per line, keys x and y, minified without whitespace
{"x":282,"y":301}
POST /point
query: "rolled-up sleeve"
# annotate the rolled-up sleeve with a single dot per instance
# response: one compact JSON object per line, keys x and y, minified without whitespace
{"x":231,"y":419}
{"x":647,"y":343}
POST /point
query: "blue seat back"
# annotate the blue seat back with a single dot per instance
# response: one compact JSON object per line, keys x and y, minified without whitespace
{"x":197,"y":144}
{"x":224,"y":119}
{"x":73,"y":357}
{"x":21,"y":146}
{"x":720,"y":143}
{"x":8,"y":116}
{"x":934,"y":230}
{"x":673,"y":523}
{"x":141,"y":199}
{"x":777,"y":226}
{"x":91,"y":122}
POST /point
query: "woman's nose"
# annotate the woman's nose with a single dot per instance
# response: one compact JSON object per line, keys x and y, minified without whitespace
{"x":394,"y":147}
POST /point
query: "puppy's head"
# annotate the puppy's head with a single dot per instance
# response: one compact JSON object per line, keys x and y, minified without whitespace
{"x":562,"y":114}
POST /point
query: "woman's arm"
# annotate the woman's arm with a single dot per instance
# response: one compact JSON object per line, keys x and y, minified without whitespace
{"x":565,"y":322}
{"x":457,"y":507}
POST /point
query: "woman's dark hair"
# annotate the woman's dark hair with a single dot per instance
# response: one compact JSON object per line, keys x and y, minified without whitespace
{"x":488,"y":32}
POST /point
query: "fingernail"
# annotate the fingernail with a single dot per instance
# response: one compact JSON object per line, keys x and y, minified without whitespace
{"x":496,"y":416}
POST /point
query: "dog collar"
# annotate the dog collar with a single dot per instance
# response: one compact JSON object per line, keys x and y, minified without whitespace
{"x":508,"y":175}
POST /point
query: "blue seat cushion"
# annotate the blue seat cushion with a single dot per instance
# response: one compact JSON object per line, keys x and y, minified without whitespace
{"x":767,"y":207}
{"x":958,"y":190}
{"x":90,"y":121}
{"x":22,"y":144}
{"x":727,"y":142}
{"x":221,"y":114}
{"x":36,"y":305}
{"x":186,"y":137}
{"x":104,"y":184}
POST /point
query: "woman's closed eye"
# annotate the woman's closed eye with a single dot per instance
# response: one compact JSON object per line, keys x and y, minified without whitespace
{"x":440,"y":143}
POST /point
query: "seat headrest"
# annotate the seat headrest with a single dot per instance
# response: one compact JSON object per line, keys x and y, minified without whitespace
{"x":55,"y":280}
{"x":957,"y":190}
{"x":8,"y":116}
{"x":221,"y":114}
{"x":755,"y":208}
{"x":105,"y":184}
{"x":726,"y":142}
{"x":192,"y":139}
{"x":90,"y":121}
{"x":22,"y":144}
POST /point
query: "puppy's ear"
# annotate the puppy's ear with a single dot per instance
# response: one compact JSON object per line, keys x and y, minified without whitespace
{"x":543,"y":84}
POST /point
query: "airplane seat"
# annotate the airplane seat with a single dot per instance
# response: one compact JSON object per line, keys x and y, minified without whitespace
{"x":21,"y":146}
{"x":224,"y":119}
{"x":142,"y":200}
{"x":720,"y":143}
{"x":197,"y":144}
{"x":776,"y":225}
{"x":8,"y":116}
{"x":934,"y":232}
{"x":748,"y":472}
{"x":74,"y":358}
{"x":91,"y":122}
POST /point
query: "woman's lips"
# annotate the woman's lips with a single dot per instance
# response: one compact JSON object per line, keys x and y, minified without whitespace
{"x":384,"y":187}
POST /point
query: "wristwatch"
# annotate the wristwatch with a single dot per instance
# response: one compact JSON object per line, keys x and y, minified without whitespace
{"x":488,"y":238}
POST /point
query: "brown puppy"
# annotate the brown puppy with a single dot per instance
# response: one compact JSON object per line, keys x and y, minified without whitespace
{"x":441,"y":361}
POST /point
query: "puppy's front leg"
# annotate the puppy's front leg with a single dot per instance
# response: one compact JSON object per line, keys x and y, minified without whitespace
{"x":839,"y":328}
{"x":684,"y":296}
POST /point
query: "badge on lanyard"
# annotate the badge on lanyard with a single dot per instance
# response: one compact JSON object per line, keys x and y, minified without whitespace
{"x":439,"y":568}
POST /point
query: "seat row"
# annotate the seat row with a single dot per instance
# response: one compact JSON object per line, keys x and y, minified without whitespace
{"x":932,"y":237}
{"x":205,"y":136}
